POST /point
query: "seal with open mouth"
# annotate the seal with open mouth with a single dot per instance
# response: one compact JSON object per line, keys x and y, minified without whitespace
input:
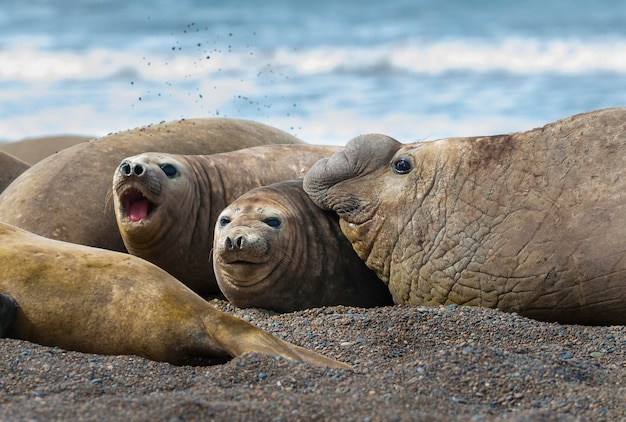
{"x":76,"y":181}
{"x":167,"y":205}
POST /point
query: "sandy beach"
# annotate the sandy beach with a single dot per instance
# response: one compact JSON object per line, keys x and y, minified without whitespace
{"x":450,"y":363}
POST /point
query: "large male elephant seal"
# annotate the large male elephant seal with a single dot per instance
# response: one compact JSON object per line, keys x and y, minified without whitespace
{"x":531,"y":222}
{"x":98,"y":301}
{"x":275,"y":249}
{"x":10,"y":168}
{"x":167,"y":205}
{"x":64,"y":196}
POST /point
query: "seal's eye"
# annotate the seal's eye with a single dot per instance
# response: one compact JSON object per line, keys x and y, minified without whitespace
{"x":169,"y":170}
{"x":401,"y":165}
{"x":272,"y":222}
{"x":224,"y":221}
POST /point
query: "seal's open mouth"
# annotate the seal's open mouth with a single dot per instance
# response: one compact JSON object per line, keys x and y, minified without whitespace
{"x":137,"y":206}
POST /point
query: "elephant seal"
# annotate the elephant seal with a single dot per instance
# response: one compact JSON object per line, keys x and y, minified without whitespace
{"x":530,"y":222}
{"x":277,"y":250}
{"x":167,"y":205}
{"x":33,"y":150}
{"x":11,"y":167}
{"x":97,"y":301}
{"x":64,"y":196}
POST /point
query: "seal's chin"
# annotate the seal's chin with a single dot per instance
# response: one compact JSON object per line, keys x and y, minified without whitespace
{"x":136,"y":205}
{"x":245,"y":273}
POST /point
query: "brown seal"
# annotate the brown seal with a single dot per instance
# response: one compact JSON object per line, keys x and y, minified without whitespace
{"x":11,"y":167}
{"x":64,"y":196}
{"x":277,"y":250}
{"x":98,"y":301}
{"x":167,"y":205}
{"x":531,"y":222}
{"x":33,"y":150}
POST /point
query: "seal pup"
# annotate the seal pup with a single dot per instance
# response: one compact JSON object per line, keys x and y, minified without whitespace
{"x":11,"y":167}
{"x":530,"y":222}
{"x":66,"y":196}
{"x":98,"y":301}
{"x":275,"y":249}
{"x":166,"y":205}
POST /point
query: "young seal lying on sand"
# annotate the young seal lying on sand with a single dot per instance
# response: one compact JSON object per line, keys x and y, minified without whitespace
{"x":98,"y":301}
{"x":275,"y":249}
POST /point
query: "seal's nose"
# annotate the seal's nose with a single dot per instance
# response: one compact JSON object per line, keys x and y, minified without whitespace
{"x":238,"y":243}
{"x":128,"y":168}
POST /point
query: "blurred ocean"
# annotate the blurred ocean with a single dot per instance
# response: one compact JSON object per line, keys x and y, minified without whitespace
{"x":323,"y":70}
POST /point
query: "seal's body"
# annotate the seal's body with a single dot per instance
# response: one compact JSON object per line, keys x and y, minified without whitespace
{"x":11,"y":167}
{"x":66,"y":196}
{"x":98,"y":301}
{"x":531,"y":222}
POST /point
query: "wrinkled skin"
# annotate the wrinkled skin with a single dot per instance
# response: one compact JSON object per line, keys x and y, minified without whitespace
{"x":10,"y":168}
{"x":529,"y":222}
{"x":275,"y":249}
{"x":166,"y":205}
{"x":97,"y":301}
{"x":67,"y":195}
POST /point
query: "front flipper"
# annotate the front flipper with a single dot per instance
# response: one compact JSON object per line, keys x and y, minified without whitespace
{"x":8,"y":306}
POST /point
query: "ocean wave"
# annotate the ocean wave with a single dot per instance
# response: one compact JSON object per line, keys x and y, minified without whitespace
{"x":518,"y":56}
{"x":523,"y":56}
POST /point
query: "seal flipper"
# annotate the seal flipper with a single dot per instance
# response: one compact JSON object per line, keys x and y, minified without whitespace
{"x":236,"y":337}
{"x":8,"y":306}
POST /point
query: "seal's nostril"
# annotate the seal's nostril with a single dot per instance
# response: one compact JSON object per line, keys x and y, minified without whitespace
{"x":229,"y":244}
{"x":239,"y":242}
{"x":138,"y":169}
{"x":125,"y":168}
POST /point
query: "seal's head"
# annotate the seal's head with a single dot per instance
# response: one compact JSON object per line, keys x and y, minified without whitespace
{"x":147,"y":188}
{"x":252,"y":243}
{"x":275,"y":249}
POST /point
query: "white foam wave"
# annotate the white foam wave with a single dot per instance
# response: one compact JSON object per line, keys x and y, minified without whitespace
{"x":526,"y":56}
{"x":511,"y":55}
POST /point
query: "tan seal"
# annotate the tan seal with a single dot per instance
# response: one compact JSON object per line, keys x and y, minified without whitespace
{"x":277,"y":250}
{"x":64,"y":196}
{"x":97,"y":301}
{"x":167,"y":205}
{"x":531,"y":222}
{"x":11,"y":167}
{"x":33,"y":150}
